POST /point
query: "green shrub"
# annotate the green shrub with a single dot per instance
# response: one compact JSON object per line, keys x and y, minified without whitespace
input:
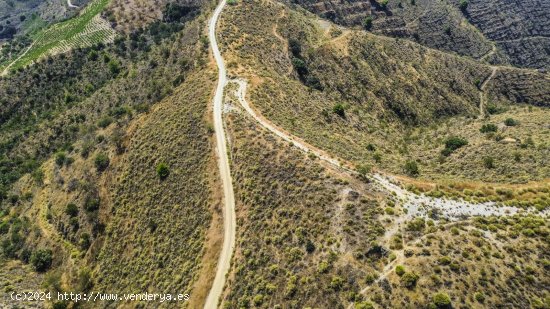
{"x":453,"y":143}
{"x":71,"y":210}
{"x":479,"y":296}
{"x":463,"y":4}
{"x":60,"y":158}
{"x":104,"y":122}
{"x":363,"y":169}
{"x":367,"y":23}
{"x":91,"y":204}
{"x":489,"y":162}
{"x":101,"y":161}
{"x":416,"y":225}
{"x":162,"y":170}
{"x":489,"y":127}
{"x":400,"y":270}
{"x":442,"y":300}
{"x":364,"y":305}
{"x":41,"y":260}
{"x":409,"y":279}
{"x":336,"y":283}
{"x":339,"y":110}
{"x":411,"y":168}
{"x":511,"y":122}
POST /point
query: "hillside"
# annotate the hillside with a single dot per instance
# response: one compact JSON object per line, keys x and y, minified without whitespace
{"x":499,"y":32}
{"x":382,"y":102}
{"x":275,"y":154}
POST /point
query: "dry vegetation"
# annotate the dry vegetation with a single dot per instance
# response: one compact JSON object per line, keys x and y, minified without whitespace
{"x":384,"y":102}
{"x":84,"y":196}
{"x":304,"y":233}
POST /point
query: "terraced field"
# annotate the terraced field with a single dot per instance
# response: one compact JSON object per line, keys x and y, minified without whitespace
{"x":86,"y":29}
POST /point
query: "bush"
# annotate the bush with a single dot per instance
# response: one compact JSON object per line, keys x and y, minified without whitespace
{"x":104,"y":122}
{"x":409,"y":279}
{"x":339,"y":110}
{"x":60,"y":158}
{"x":367,"y":23}
{"x":416,"y":225}
{"x":511,"y":122}
{"x":364,"y":305}
{"x":453,"y":143}
{"x":300,"y":66}
{"x":101,"y":161}
{"x":400,"y":270}
{"x":489,"y":162}
{"x":479,"y":296}
{"x":41,"y":259}
{"x":442,"y":300}
{"x":489,"y":127}
{"x":162,"y":170}
{"x":336,"y":283}
{"x":411,"y":169}
{"x":91,"y":204}
{"x":463,"y":4}
{"x":363,"y":169}
{"x":71,"y":210}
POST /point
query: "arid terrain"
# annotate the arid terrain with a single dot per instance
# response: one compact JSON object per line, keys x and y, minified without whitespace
{"x":275,"y":154}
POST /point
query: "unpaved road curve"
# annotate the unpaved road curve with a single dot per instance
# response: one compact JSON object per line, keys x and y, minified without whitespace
{"x":229,"y":222}
{"x":417,"y":205}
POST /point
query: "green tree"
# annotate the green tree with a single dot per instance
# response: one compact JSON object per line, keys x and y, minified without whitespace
{"x":101,"y":161}
{"x":411,"y":168}
{"x":489,"y":127}
{"x":409,"y":279}
{"x":367,"y":23}
{"x":162,"y":170}
{"x":41,"y":259}
{"x":453,"y":143}
{"x":489,"y":162}
{"x":339,"y":110}
{"x":71,"y":210}
{"x":463,"y":5}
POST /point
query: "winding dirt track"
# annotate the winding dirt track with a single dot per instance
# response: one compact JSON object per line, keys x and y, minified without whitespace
{"x":224,"y":261}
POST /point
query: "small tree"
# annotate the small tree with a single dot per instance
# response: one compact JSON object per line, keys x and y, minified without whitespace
{"x":367,"y":23}
{"x":71,"y":210}
{"x":463,"y":5}
{"x":101,"y":161}
{"x":60,"y":158}
{"x":163,"y":171}
{"x":489,"y":162}
{"x":409,"y":279}
{"x":453,"y":143}
{"x":339,"y":110}
{"x":411,"y":168}
{"x":41,"y":259}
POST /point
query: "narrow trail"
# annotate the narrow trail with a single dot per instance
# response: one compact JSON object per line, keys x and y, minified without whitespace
{"x":71,"y":5}
{"x":224,"y":261}
{"x":7,"y":69}
{"x":482,"y":92}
